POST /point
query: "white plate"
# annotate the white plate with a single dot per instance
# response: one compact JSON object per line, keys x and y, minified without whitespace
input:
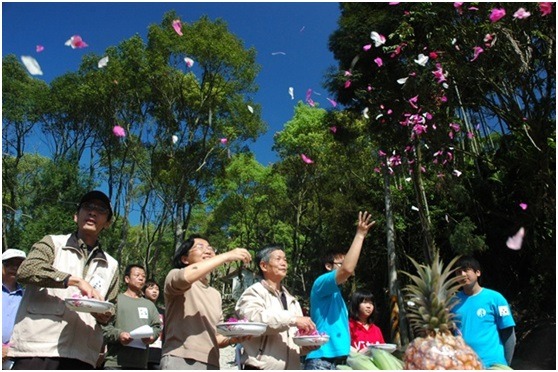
{"x":390,"y":348}
{"x":311,"y":340}
{"x":88,"y":305}
{"x":238,"y":329}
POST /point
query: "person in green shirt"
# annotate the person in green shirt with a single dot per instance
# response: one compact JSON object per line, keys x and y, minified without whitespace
{"x":132,"y":312}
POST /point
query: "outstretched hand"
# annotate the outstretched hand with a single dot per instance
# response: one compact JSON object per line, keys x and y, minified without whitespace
{"x":364,"y":223}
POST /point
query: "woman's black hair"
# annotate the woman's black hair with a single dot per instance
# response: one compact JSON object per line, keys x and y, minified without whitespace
{"x":357,"y":298}
{"x":183,"y":251}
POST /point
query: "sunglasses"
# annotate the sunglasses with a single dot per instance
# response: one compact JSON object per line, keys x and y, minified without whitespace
{"x":95,"y":207}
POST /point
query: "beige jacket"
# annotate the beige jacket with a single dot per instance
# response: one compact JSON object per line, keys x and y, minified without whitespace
{"x":44,"y":326}
{"x":275,"y":349}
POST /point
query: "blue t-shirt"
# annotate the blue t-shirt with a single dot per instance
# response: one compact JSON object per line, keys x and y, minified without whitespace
{"x":10,"y":304}
{"x":329,"y":312}
{"x":479,"y":317}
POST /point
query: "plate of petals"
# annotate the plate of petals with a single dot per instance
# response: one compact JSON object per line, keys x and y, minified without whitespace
{"x":88,"y":305}
{"x":390,"y":348}
{"x":239,"y":329}
{"x":316,"y":340}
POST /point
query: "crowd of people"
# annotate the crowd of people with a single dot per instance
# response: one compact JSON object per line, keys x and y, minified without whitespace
{"x":40,"y":332}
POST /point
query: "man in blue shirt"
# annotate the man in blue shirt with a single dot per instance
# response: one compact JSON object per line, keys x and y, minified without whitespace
{"x":12,"y":293}
{"x":327,"y":306}
{"x":483,"y":317}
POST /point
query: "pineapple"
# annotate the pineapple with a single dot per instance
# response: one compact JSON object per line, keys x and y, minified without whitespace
{"x":433,"y":294}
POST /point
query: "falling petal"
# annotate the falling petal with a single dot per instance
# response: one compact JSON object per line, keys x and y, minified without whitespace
{"x":402,"y":80}
{"x":103,"y":62}
{"x":367,"y":47}
{"x":408,"y":179}
{"x":496,"y":14}
{"x":177,"y":25}
{"x":310,"y":102}
{"x":276,"y":53}
{"x":119,"y":131}
{"x":523,"y":206}
{"x":76,"y":42}
{"x":365,"y":113}
{"x":413,"y":101}
{"x":414,"y":208}
{"x":521,"y":13}
{"x":302,"y":29}
{"x":347,"y":84}
{"x":457,"y":173}
{"x":515,"y":242}
{"x":291,"y":92}
{"x":39,"y":48}
{"x":308,"y":94}
{"x":251,"y":109}
{"x":333,"y":129}
{"x":348,"y":73}
{"x":333,"y":103}
{"x":545,"y":8}
{"x":377,"y":38}
{"x":379,"y":116}
{"x":189,"y":62}
{"x":476,"y":52}
{"x":421,"y":60}
{"x":306,"y":159}
{"x":379,"y":61}
{"x":174,"y":138}
{"x":31,"y":65}
{"x":224,"y":141}
{"x":381,"y":153}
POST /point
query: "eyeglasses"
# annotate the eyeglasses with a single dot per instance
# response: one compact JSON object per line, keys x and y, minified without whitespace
{"x":95,"y":207}
{"x":204,"y":248}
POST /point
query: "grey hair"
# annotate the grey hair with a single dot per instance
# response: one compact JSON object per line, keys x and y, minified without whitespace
{"x":264,"y":254}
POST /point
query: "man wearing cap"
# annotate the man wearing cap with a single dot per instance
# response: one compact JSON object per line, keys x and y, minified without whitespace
{"x":47,"y":334}
{"x":12,"y":293}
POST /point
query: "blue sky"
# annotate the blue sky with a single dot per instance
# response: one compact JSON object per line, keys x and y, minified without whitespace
{"x":299,"y":30}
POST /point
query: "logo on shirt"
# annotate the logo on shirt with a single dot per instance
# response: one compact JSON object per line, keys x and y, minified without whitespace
{"x":143,"y":313}
{"x":481,"y":313}
{"x":503,"y":310}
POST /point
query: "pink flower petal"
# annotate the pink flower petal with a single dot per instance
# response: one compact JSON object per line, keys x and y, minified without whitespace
{"x":39,"y":48}
{"x":523,"y":206}
{"x":496,"y":14}
{"x":333,"y":103}
{"x":347,"y":84}
{"x":76,"y":42}
{"x":379,"y":61}
{"x":476,"y":52}
{"x":515,"y":242}
{"x":333,"y":129}
{"x":306,"y":159}
{"x":521,"y":13}
{"x":189,"y":62}
{"x":224,"y":141}
{"x":367,"y":47}
{"x":177,"y":25}
{"x":118,"y":131}
{"x":377,"y":38}
{"x":545,"y":8}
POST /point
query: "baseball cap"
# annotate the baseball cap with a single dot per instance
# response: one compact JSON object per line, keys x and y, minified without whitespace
{"x":97,"y":195}
{"x":13,"y":253}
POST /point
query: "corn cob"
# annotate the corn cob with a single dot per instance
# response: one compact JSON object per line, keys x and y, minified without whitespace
{"x":360,"y":361}
{"x":385,"y":361}
{"x":343,"y":366}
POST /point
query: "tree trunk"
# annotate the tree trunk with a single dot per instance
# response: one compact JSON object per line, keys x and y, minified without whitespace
{"x":397,"y":319}
{"x":424,"y":214}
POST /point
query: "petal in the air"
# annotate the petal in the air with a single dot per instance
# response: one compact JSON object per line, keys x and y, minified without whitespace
{"x":31,"y":65}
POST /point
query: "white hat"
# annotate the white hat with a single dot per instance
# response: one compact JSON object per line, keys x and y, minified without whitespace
{"x":13,"y":253}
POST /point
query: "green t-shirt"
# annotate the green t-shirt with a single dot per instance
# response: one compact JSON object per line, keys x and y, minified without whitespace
{"x":131,"y":313}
